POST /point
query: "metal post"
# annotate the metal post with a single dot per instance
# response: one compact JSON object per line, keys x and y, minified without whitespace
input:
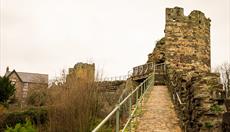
{"x":144,"y":87}
{"x":141,"y":97}
{"x":130,"y":112}
{"x":141,"y":91}
{"x":117,"y":120}
{"x":137,"y":96}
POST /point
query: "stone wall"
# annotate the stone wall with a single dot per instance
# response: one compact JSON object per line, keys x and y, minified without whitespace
{"x":200,"y":94}
{"x":110,"y":93}
{"x":158,"y":54}
{"x":187,"y":39}
{"x":18,"y":85}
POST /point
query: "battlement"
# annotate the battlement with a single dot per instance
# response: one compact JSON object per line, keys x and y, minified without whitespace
{"x":187,"y":39}
{"x":176,"y":14}
{"x":84,"y":66}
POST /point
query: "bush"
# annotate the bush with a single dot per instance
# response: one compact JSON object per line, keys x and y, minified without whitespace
{"x":36,"y":115}
{"x":37,"y":98}
{"x":75,"y":109}
{"x":27,"y":127}
{"x":6,"y":89}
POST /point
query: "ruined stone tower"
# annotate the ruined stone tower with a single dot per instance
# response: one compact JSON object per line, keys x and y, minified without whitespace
{"x":81,"y":72}
{"x":187,"y":39}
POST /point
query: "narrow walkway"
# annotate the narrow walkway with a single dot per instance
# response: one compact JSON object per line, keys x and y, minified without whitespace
{"x":158,"y":113}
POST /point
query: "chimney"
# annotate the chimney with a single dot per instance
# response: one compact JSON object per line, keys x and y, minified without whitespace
{"x":7,"y":69}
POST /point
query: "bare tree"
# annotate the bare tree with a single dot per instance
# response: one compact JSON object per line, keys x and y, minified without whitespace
{"x":224,"y":71}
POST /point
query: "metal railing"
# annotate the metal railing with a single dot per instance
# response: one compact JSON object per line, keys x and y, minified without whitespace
{"x":147,"y":68}
{"x":140,"y":70}
{"x":136,"y":94}
{"x":143,"y":69}
{"x":174,"y":93}
{"x":179,"y":100}
{"x":115,"y":78}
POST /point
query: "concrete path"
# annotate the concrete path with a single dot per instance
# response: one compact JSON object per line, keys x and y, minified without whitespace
{"x":158,"y":113}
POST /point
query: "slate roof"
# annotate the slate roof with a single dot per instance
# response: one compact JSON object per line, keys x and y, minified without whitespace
{"x":30,"y":77}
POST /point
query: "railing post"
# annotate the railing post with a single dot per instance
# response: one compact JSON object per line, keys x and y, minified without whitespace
{"x":144,"y":87}
{"x":130,"y":112}
{"x":117,"y":119}
{"x":141,"y":97}
{"x":141,"y":92}
{"x":137,"y":96}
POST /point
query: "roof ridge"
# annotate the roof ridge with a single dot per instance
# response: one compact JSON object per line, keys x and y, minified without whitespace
{"x":32,"y":73}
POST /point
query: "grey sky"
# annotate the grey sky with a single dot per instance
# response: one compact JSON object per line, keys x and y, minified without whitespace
{"x":46,"y":36}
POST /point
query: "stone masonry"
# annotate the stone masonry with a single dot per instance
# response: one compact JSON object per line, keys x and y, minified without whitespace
{"x":187,"y":41}
{"x":185,"y":49}
{"x":81,"y":72}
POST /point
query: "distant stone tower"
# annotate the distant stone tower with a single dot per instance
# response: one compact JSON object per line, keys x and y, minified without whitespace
{"x":81,"y":72}
{"x":187,"y":39}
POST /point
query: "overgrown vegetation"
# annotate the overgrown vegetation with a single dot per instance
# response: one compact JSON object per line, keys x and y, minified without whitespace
{"x":208,"y":125}
{"x":77,"y":105}
{"x":37,"y":115}
{"x":27,"y":127}
{"x":216,"y":108}
{"x":74,"y":107}
{"x":37,"y":97}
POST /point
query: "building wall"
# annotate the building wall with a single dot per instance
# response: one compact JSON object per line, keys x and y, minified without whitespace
{"x":36,"y":86}
{"x":18,"y":85}
{"x":187,"y":39}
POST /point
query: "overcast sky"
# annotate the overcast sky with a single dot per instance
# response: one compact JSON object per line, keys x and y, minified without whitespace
{"x":45,"y":36}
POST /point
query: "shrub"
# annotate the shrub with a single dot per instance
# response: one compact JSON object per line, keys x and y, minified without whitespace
{"x":37,"y":98}
{"x":27,"y":127}
{"x":216,"y":108}
{"x":6,"y":89}
{"x":37,"y":115}
{"x":75,"y":109}
{"x":208,"y":125}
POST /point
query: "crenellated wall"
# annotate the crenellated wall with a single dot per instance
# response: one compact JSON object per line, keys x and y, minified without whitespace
{"x":187,"y":39}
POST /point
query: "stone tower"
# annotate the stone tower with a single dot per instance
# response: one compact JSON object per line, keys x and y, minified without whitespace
{"x":82,"y":72}
{"x":187,"y":39}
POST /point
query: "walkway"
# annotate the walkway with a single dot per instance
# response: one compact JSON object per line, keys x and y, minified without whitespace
{"x":158,"y":113}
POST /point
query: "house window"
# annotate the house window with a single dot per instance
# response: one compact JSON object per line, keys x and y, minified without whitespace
{"x":24,"y":94}
{"x":25,"y":86}
{"x":25,"y":90}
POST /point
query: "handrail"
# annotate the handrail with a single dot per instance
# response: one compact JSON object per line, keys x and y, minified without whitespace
{"x":115,"y":78}
{"x":146,"y":68}
{"x":178,"y":98}
{"x":143,"y":87}
{"x":106,"y":119}
{"x":136,"y":71}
